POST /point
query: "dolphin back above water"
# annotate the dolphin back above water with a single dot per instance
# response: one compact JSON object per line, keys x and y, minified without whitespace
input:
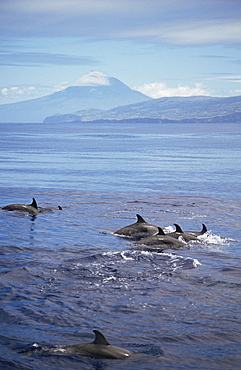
{"x":198,"y":233}
{"x":179,"y":232}
{"x":99,"y":348}
{"x":32,"y":208}
{"x":140,"y":229}
{"x":159,"y":242}
{"x":29,"y":208}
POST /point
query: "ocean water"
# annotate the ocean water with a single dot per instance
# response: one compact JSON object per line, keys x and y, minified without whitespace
{"x":64,"y":273}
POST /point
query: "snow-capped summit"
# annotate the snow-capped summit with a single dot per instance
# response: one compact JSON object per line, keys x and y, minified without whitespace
{"x":93,"y":79}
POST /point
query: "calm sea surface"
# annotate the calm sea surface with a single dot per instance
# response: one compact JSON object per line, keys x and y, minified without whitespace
{"x":64,"y":273}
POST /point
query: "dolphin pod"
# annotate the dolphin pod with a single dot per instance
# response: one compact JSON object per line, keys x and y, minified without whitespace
{"x":99,"y":348}
{"x":32,"y":208}
{"x":140,"y":229}
{"x":152,"y":237}
{"x":159,"y":242}
{"x":147,"y":237}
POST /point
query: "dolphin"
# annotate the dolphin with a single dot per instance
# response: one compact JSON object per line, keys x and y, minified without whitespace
{"x":46,"y":210}
{"x":179,"y":232}
{"x":32,"y":208}
{"x":29,"y":208}
{"x":140,"y":229}
{"x":99,"y":348}
{"x":159,"y":242}
{"x":198,"y":233}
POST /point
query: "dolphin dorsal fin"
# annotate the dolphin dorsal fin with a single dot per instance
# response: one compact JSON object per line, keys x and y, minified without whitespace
{"x":140,"y":219}
{"x":34,"y":204}
{"x":204,"y":229}
{"x":160,"y":231}
{"x":100,"y":338}
{"x":178,"y":228}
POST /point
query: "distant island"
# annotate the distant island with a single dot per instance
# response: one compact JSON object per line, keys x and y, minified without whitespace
{"x":176,"y":109}
{"x":100,"y":98}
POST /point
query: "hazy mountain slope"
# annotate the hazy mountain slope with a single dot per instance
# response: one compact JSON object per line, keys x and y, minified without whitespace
{"x":96,"y":90}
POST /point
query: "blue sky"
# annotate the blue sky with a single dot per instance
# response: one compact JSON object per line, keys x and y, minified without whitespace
{"x":162,"y":48}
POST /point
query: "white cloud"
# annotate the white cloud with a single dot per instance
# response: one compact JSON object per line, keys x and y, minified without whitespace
{"x":159,"y":89}
{"x":187,"y":32}
{"x":16,"y":94}
{"x":178,"y":22}
{"x":4,"y":91}
{"x":209,"y":31}
{"x":230,"y":78}
{"x":61,"y":86}
{"x":16,"y":91}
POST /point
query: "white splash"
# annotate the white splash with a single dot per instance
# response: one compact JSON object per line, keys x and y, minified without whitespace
{"x":59,"y":349}
{"x":168,"y":229}
{"x":125,"y":257}
{"x":196,"y":263}
{"x":105,"y":280}
{"x":209,"y":238}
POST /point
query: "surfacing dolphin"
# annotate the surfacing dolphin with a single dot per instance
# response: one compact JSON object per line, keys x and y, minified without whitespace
{"x":46,"y":210}
{"x":159,"y":242}
{"x":99,"y":348}
{"x":32,"y":208}
{"x":140,"y":229}
{"x":29,"y":208}
{"x":179,"y":232}
{"x":198,"y":233}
